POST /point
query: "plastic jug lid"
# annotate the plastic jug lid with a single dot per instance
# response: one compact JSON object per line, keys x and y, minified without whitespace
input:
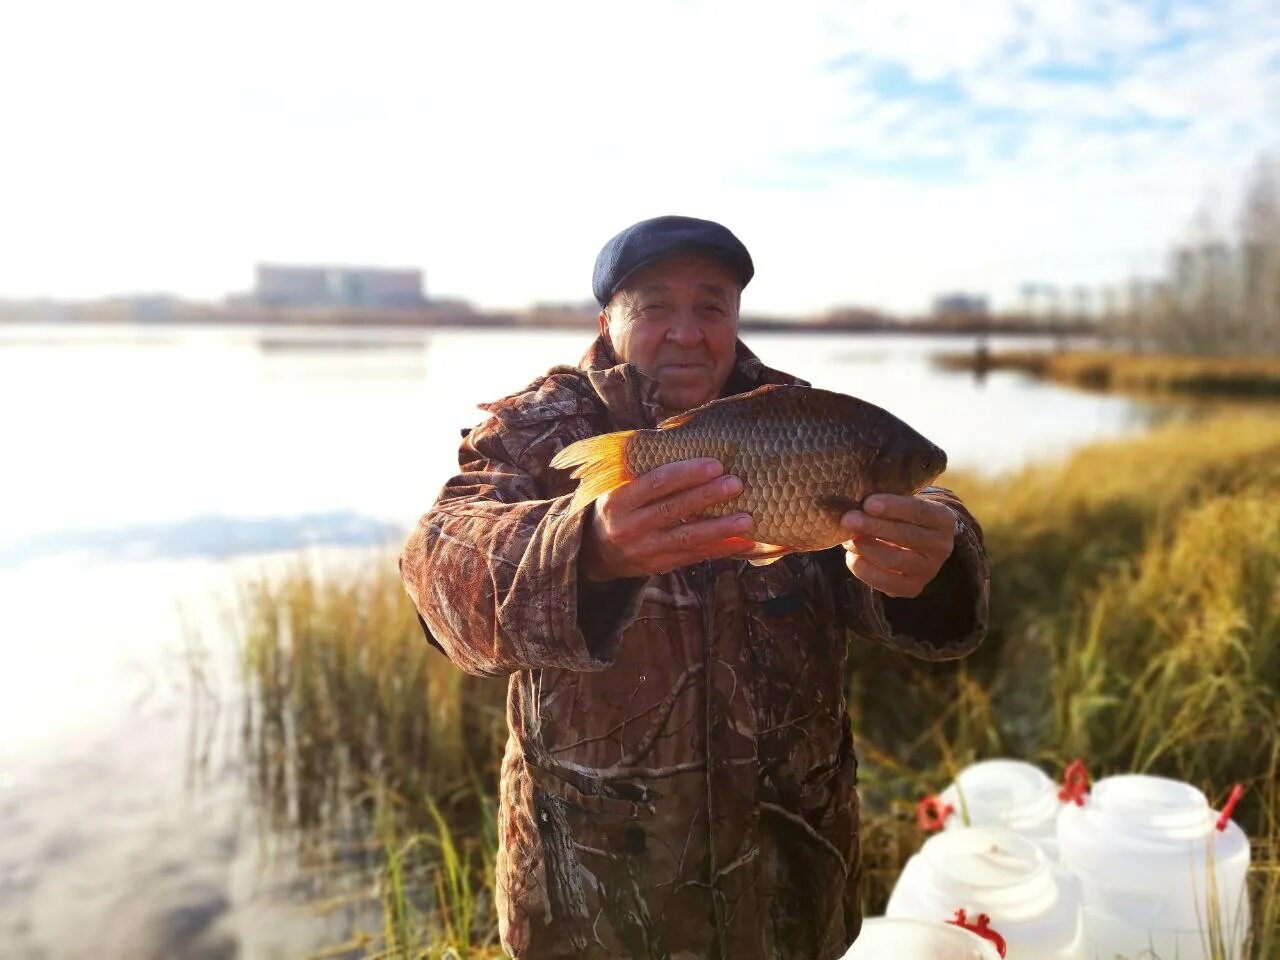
{"x":1152,"y":806}
{"x":990,"y":869}
{"x":1005,"y":792}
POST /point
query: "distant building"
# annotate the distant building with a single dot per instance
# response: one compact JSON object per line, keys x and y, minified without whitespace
{"x":282,"y":286}
{"x":961,"y":305}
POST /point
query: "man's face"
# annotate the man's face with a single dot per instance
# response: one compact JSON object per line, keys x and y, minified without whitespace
{"x":677,"y":321}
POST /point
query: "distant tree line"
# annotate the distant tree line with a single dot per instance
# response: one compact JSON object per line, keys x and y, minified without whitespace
{"x":1221,"y":295}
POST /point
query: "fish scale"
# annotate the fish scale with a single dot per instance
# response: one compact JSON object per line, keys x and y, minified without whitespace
{"x":804,"y":457}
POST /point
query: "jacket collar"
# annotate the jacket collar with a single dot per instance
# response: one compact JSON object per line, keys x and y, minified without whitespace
{"x":631,"y":397}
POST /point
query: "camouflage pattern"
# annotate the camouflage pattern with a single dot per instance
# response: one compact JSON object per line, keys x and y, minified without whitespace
{"x":679,"y":781}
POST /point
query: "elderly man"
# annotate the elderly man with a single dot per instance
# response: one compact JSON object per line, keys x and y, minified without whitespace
{"x":679,"y":781}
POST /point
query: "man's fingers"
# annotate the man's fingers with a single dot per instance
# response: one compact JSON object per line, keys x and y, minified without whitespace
{"x":927,"y":540}
{"x":876,"y":577}
{"x":915,"y":510}
{"x":665,"y":480}
{"x":907,"y":563}
{"x":728,"y":547}
{"x":692,"y":539}
{"x":643,"y":525}
{"x":662,"y":550}
{"x":687,"y":503}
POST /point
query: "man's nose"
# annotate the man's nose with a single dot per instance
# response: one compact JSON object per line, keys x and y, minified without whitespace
{"x":685,"y":330}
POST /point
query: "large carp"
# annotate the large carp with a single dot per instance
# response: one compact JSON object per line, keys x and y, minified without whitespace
{"x":804,"y":456}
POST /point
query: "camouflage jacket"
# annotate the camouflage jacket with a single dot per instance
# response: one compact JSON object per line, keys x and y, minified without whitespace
{"x":679,"y":780}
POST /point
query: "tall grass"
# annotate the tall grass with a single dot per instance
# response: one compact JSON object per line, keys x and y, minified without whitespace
{"x":377,"y":752}
{"x":1135,"y":623}
{"x":436,"y":890}
{"x":346,"y":690}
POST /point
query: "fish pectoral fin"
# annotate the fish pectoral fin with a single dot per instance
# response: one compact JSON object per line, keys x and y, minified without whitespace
{"x":837,"y":505}
{"x":763,"y":554}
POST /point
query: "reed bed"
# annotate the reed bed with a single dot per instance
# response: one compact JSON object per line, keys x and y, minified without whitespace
{"x":378,"y":756}
{"x":1248,"y":377}
{"x":1135,"y":624}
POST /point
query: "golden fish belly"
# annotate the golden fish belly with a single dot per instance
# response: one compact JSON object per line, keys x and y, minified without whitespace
{"x":782,"y":483}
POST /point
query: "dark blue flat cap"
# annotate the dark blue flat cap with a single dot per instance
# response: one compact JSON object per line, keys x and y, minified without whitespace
{"x":648,"y":241}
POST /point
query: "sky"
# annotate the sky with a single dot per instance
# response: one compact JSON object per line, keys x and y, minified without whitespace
{"x":872,"y":153}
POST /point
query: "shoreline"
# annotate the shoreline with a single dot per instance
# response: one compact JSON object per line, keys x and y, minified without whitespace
{"x":1138,"y":374}
{"x":454,"y":316}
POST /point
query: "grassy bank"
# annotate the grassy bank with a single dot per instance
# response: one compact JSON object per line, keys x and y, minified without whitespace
{"x":1135,"y":373}
{"x":1135,"y":624}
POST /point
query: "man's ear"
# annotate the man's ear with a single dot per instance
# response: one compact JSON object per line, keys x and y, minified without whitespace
{"x":603,"y":321}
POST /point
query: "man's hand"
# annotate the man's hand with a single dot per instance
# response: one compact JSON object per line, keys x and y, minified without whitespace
{"x":899,"y":543}
{"x":644,"y":526}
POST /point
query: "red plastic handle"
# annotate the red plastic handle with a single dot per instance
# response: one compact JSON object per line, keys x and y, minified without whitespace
{"x":932,"y":813}
{"x":1075,"y":783}
{"x":1229,"y":807}
{"x":982,"y":928}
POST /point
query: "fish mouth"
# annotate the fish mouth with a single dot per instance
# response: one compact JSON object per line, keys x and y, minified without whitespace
{"x":932,"y":478}
{"x":935,"y":465}
{"x":925,"y":486}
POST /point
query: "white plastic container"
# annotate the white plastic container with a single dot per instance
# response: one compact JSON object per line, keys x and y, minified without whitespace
{"x":883,"y":938}
{"x":1142,"y":847}
{"x":1009,"y":794}
{"x":1031,"y":902}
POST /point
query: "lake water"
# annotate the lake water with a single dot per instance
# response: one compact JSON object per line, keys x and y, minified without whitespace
{"x":148,"y":470}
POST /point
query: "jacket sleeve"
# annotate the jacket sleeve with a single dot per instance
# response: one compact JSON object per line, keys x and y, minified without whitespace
{"x":492,"y":567}
{"x":949,"y":618}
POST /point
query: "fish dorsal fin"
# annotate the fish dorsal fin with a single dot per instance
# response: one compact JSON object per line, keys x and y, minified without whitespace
{"x":680,"y":419}
{"x":689,"y":416}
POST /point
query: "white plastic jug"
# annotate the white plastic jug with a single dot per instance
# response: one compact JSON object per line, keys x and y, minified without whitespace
{"x":884,"y":938}
{"x":1031,"y":902}
{"x":1009,"y":794}
{"x":1142,"y":847}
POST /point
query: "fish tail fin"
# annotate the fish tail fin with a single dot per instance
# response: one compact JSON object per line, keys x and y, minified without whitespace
{"x":600,"y":463}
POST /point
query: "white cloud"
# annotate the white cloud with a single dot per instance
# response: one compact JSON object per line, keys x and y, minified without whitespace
{"x":498,"y":145}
